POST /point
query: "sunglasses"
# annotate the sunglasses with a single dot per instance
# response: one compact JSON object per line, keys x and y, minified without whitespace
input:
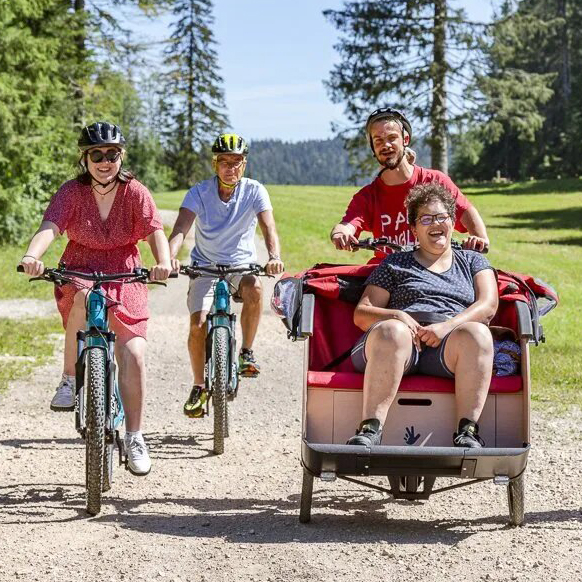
{"x":229,"y":164}
{"x":428,"y":219}
{"x":97,"y":156}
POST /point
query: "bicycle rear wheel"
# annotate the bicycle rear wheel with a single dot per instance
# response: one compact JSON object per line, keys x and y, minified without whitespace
{"x":95,"y":433}
{"x":219,"y":387}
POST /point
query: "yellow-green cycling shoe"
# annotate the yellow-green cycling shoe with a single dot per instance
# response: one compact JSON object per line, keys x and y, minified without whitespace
{"x":247,"y":365}
{"x":195,"y":406}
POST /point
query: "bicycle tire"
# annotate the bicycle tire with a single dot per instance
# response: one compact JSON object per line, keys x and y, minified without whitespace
{"x":219,"y":387}
{"x":516,"y":500}
{"x":95,"y":433}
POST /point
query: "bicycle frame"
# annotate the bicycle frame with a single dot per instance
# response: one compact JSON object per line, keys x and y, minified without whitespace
{"x":221,"y":316}
{"x":98,"y":336}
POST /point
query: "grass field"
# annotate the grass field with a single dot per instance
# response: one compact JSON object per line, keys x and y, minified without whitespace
{"x":534,"y":227}
{"x":32,"y":337}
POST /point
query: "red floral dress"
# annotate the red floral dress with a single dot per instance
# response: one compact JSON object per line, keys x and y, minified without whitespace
{"x":109,"y":246}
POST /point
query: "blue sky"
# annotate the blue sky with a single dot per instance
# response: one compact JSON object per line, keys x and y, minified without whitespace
{"x":274,"y":57}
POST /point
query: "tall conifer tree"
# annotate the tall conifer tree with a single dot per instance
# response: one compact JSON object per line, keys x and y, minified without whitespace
{"x":404,"y":53}
{"x":193,"y":98}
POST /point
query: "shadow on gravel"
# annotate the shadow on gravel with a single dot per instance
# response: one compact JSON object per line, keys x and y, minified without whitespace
{"x":41,"y":503}
{"x":41,"y":443}
{"x":246,"y":520}
{"x":262,"y":521}
{"x":165,"y":446}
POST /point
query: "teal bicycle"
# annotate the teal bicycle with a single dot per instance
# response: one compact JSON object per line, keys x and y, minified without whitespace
{"x":98,"y":406}
{"x":221,"y":374}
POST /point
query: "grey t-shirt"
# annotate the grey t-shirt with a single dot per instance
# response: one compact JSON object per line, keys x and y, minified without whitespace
{"x":225,"y":231}
{"x":413,"y":288}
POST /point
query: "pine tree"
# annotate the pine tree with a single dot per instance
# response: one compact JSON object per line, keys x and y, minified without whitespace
{"x":35,"y":124}
{"x":411,"y":54}
{"x":529,"y":121}
{"x":193,"y":100}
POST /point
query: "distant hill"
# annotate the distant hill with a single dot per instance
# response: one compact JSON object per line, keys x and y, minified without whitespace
{"x":314,"y":161}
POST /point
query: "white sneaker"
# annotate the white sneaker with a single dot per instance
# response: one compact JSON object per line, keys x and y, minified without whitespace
{"x":64,"y":398}
{"x":138,"y":459}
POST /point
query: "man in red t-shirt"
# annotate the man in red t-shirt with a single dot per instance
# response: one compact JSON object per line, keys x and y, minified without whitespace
{"x":379,"y":207}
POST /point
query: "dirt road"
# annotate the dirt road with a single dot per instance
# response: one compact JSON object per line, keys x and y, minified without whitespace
{"x":198,"y":517}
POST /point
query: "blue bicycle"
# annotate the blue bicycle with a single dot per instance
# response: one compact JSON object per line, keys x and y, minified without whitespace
{"x":221,"y":375}
{"x":98,"y":407}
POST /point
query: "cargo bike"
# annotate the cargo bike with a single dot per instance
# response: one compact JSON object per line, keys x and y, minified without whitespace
{"x":317,"y":307}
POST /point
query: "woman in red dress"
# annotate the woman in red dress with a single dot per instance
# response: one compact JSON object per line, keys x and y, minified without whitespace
{"x":105,"y":211}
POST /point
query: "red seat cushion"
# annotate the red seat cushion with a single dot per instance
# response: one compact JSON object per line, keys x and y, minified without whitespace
{"x":354,"y":381}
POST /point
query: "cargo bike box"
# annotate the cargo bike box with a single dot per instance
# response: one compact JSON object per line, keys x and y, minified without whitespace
{"x":317,"y":307}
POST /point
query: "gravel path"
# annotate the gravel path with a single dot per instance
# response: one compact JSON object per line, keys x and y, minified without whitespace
{"x":198,"y":517}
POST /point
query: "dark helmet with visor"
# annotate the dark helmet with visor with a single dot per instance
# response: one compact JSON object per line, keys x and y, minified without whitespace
{"x":387,"y":113}
{"x":230,"y":143}
{"x":101,"y":133}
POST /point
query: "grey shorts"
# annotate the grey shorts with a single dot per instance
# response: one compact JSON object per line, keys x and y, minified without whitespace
{"x":429,"y":361}
{"x":201,"y":292}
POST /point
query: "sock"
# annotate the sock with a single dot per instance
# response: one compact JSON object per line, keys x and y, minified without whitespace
{"x":69,"y":379}
{"x":131,"y":433}
{"x":468,"y":425}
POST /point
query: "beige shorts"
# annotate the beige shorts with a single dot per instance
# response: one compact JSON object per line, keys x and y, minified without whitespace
{"x":201,"y":292}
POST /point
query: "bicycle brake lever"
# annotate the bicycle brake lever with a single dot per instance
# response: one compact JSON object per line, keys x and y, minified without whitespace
{"x":157,"y":283}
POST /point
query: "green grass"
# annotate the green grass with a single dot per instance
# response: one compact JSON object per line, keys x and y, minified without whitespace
{"x":170,"y":200}
{"x":534,"y":227}
{"x":25,"y":345}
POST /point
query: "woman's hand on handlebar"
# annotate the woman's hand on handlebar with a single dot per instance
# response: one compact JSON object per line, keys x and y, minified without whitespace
{"x":476,"y":243}
{"x":160,"y":272}
{"x":33,"y":267}
{"x":274,"y":266}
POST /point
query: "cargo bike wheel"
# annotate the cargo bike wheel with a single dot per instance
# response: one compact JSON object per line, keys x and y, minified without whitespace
{"x":516,"y":500}
{"x":306,"y":497}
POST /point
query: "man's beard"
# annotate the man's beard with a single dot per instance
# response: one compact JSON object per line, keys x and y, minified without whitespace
{"x":393,"y":165}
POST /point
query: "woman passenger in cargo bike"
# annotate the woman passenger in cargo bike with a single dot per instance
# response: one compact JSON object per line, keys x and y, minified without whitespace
{"x":426,"y":312}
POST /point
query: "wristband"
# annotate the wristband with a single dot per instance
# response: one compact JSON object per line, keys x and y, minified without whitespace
{"x":30,"y":257}
{"x":274,"y":258}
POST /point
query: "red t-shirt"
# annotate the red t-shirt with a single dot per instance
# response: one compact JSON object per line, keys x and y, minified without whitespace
{"x":379,"y":209}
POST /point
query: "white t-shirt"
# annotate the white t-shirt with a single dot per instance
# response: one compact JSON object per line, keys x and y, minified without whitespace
{"x":225,"y":231}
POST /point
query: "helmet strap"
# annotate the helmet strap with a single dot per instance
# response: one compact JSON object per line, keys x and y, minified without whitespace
{"x":225,"y":185}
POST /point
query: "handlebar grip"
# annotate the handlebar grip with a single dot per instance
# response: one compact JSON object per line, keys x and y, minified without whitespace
{"x":173,"y":275}
{"x":19,"y":269}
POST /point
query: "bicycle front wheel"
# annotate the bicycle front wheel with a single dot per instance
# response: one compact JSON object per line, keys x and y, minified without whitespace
{"x":95,"y":433}
{"x":219,"y":387}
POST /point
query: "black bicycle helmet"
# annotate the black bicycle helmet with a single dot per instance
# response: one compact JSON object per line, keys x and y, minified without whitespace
{"x":230,"y":143}
{"x":100,"y":133}
{"x":387,"y":113}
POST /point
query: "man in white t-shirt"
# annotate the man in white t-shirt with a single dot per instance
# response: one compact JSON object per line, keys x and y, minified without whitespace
{"x":227,"y":208}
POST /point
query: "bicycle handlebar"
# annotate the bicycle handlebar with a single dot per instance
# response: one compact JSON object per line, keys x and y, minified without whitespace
{"x":221,"y":270}
{"x":60,"y":275}
{"x":373,"y":244}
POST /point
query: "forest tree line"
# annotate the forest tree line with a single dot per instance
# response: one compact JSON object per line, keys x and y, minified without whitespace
{"x":486,"y":98}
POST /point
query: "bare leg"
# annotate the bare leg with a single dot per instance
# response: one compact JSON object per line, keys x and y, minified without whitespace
{"x":75,"y":322}
{"x":132,"y":380}
{"x":251,"y":291}
{"x":469,"y":355}
{"x":388,"y":349}
{"x":197,"y":345}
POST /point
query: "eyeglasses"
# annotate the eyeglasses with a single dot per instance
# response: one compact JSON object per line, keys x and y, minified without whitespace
{"x":233,"y":165}
{"x":97,"y":156}
{"x":428,"y":219}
